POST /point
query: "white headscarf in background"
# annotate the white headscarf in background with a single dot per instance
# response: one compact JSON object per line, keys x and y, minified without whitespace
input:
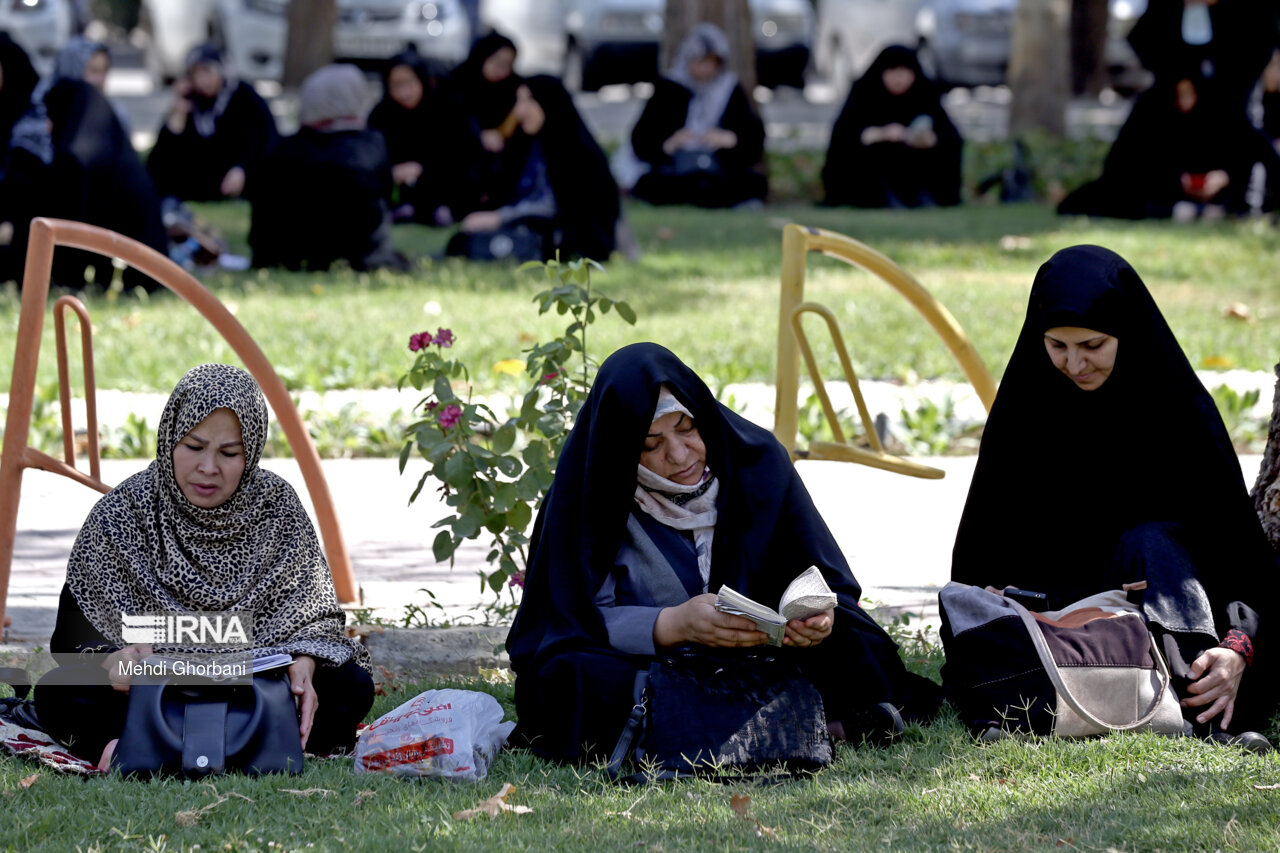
{"x":334,"y":98}
{"x":678,"y":506}
{"x":710,"y":97}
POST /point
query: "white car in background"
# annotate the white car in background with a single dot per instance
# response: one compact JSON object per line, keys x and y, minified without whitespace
{"x":618,"y":41}
{"x":253,"y":32}
{"x":40,"y":27}
{"x":536,"y":26}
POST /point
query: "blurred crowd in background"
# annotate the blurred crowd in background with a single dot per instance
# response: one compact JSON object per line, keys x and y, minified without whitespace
{"x":460,"y":132}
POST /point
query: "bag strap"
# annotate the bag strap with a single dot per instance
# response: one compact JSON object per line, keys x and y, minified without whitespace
{"x":204,"y":739}
{"x":1051,"y":669}
{"x":626,"y":741}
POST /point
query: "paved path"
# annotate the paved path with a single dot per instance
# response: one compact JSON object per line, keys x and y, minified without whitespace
{"x":897,"y":532}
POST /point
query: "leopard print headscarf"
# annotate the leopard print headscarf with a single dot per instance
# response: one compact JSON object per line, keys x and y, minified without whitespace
{"x":145,"y":548}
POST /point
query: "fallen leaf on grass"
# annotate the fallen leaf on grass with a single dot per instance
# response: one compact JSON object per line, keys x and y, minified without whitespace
{"x":494,"y":806}
{"x":1217,"y":361}
{"x":741,"y":804}
{"x":1238,"y":311}
{"x":29,"y":781}
{"x":190,"y":817}
{"x":1267,"y":787}
{"x":307,"y":792}
{"x":362,"y":797}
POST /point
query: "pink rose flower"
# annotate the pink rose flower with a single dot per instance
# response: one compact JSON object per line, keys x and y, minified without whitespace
{"x":443,"y":338}
{"x":449,"y":416}
{"x":516,"y":580}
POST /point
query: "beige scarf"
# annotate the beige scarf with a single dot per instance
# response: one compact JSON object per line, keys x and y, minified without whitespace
{"x":678,"y":506}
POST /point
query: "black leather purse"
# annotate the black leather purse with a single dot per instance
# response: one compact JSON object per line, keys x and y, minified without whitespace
{"x":701,"y":711}
{"x":197,"y":731}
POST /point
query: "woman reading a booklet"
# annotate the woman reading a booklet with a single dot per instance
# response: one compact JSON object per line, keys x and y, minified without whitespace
{"x":661,"y":496}
{"x":202,"y":530}
{"x":1105,"y":465}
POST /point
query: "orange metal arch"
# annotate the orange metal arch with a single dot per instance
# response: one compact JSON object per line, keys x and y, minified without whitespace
{"x":17,"y":455}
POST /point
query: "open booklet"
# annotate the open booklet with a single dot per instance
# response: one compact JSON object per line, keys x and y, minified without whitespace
{"x":807,"y":595}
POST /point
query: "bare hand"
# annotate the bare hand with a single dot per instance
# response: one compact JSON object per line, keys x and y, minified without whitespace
{"x":492,"y":141}
{"x":233,"y":182}
{"x":301,"y":672}
{"x":1215,"y":681}
{"x":924,"y":138}
{"x":698,"y":621}
{"x":1215,"y":182}
{"x":678,"y":140}
{"x":717,"y":138}
{"x":407,"y":173}
{"x":481,"y":220}
{"x":119,"y":676}
{"x":811,"y":631}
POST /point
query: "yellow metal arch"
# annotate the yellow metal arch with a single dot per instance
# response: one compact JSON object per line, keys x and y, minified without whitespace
{"x":797,"y":242}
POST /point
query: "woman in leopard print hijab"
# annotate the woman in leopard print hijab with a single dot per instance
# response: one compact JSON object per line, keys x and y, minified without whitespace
{"x":204,"y":528}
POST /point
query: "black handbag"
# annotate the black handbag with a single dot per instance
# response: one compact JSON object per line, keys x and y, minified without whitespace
{"x":701,"y":711}
{"x":202,"y":730}
{"x":694,"y":161}
{"x":516,"y":241}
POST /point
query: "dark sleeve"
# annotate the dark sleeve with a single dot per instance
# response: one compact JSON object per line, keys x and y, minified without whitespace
{"x":741,"y":118}
{"x":255,"y":135}
{"x":73,"y":632}
{"x":663,"y":115}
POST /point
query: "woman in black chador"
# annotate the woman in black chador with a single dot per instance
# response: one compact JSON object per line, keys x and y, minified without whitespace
{"x":1105,"y":463}
{"x":17,"y":79}
{"x":699,"y":133}
{"x":893,"y":144}
{"x":1180,"y":153}
{"x":217,"y":130}
{"x":433,"y":155}
{"x":71,"y":158}
{"x":322,"y":196}
{"x":660,"y":496}
{"x":550,"y":190}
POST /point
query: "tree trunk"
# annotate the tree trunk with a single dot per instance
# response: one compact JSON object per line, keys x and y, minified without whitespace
{"x":310,"y":42}
{"x":1039,"y":69}
{"x":1266,"y":489}
{"x":732,"y":16}
{"x":1088,"y":46}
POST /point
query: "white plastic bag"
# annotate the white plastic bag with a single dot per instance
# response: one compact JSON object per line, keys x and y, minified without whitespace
{"x":450,"y":733}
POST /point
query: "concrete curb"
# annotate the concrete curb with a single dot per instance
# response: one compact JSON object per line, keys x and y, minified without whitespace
{"x":417,"y":652}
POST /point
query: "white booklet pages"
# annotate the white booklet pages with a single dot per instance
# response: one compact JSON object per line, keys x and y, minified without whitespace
{"x":807,"y":595}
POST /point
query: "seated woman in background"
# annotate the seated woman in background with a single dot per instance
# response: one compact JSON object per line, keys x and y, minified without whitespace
{"x":1105,"y":465}
{"x":322,"y":195}
{"x":699,"y":133}
{"x":661,"y":496}
{"x":17,"y":79}
{"x":893,"y":144}
{"x":217,"y":130}
{"x":202,"y":529}
{"x":486,"y":83}
{"x":70,"y":157}
{"x":551,"y":190}
{"x":432,"y":152}
{"x":1180,"y":154}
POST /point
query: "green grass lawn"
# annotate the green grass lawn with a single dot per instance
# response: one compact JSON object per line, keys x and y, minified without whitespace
{"x":706,"y":286}
{"x":936,"y":790}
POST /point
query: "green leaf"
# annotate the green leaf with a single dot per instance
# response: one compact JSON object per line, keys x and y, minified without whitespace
{"x":497,"y":580}
{"x":459,"y":468}
{"x":443,"y":546}
{"x":509,"y":465}
{"x":625,"y":312}
{"x":444,"y":391}
{"x":422,"y":481}
{"x":504,"y":496}
{"x":605,"y":304}
{"x":496,"y":523}
{"x":529,"y":265}
{"x":468,"y":524}
{"x":404,"y":455}
{"x":519,"y":516}
{"x":503,"y":439}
